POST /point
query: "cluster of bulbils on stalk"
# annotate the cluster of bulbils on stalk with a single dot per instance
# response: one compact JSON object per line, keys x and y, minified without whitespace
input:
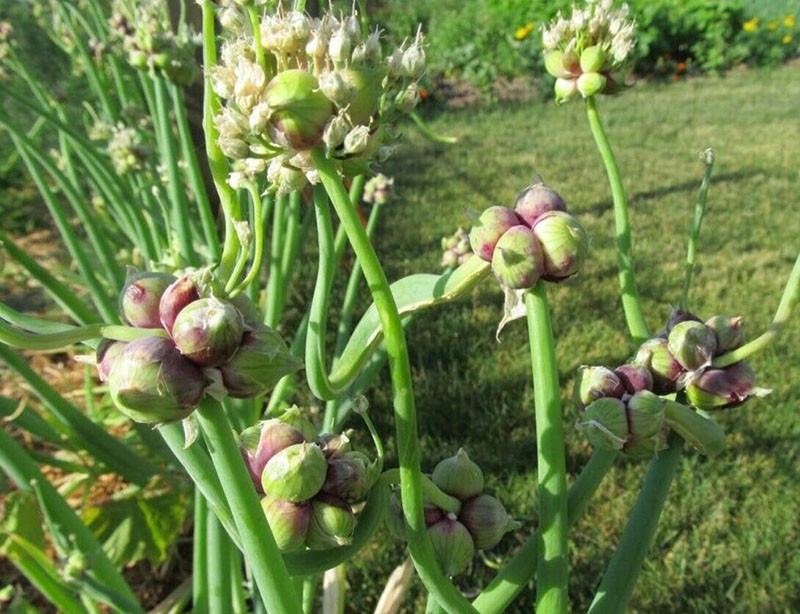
{"x":311,"y":486}
{"x":319,"y":81}
{"x":143,"y":32}
{"x":127,"y":141}
{"x":212,"y":346}
{"x":585,"y":51}
{"x":480,"y":523}
{"x":6,"y":40}
{"x":456,"y":249}
{"x":622,"y":408}
{"x":536,"y":239}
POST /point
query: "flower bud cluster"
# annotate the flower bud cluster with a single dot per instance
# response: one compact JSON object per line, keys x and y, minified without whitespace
{"x":378,"y":190}
{"x":201,"y":344}
{"x":312,"y":81}
{"x":456,"y":249}
{"x":142,"y":30}
{"x":536,"y":239}
{"x":584,"y":51}
{"x":127,"y":145}
{"x":6,"y":41}
{"x":621,"y":409}
{"x":311,"y":486}
{"x":480,"y":523}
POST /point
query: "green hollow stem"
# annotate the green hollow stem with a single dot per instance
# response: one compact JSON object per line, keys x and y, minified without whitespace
{"x":789,"y":300}
{"x":54,"y":341}
{"x":200,"y":555}
{"x":623,"y":570}
{"x":258,"y":239}
{"x":275,"y":284}
{"x":409,"y":453}
{"x":515,"y":575}
{"x":631,"y":302}
{"x":217,"y":568}
{"x":430,"y":491}
{"x":707,"y":157}
{"x":553,"y":561}
{"x":258,"y":544}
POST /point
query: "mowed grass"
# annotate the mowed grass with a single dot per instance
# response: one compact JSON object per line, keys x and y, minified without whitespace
{"x":728,"y":537}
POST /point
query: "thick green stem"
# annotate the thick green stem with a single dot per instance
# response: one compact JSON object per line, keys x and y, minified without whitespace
{"x":515,"y":575}
{"x":789,"y":300}
{"x":553,"y":563}
{"x":258,"y":544}
{"x":218,"y":562}
{"x":620,"y":578}
{"x":409,"y":453}
{"x":631,"y":303}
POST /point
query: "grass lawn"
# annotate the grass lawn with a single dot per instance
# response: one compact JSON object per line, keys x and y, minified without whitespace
{"x":728,"y":539}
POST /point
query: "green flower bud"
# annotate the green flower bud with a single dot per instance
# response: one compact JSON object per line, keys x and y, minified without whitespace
{"x":288,"y":522}
{"x":693,"y":344}
{"x":518,"y":260}
{"x":261,"y":442}
{"x":208,"y":331}
{"x":175,"y":297}
{"x":295,"y":417}
{"x":491,"y":225}
{"x":594,"y":383}
{"x":458,"y":476}
{"x":645,"y":414}
{"x":566,"y":89}
{"x":257,"y":365}
{"x":536,"y":200}
{"x":591,"y":83}
{"x":106,"y":355}
{"x":668,"y":374}
{"x":296,"y":473}
{"x":486,"y":520}
{"x":452,"y":545}
{"x":300,"y":109}
{"x":593,"y":59}
{"x":605,"y":424}
{"x":564,"y":244}
{"x":634,"y":378}
{"x":723,"y":388}
{"x":365,"y":88}
{"x":561,"y":65}
{"x":332,"y":523}
{"x":347,"y":477}
{"x":728,"y":331}
{"x":140,"y":299}
{"x":151,"y":382}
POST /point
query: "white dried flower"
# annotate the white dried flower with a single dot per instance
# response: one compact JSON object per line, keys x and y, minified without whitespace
{"x":356,"y":140}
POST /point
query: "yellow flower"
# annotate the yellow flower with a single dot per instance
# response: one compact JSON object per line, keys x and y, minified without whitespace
{"x":751,"y":25}
{"x":788,"y":21}
{"x":773,"y":25}
{"x":523,"y":32}
{"x":787,"y":38}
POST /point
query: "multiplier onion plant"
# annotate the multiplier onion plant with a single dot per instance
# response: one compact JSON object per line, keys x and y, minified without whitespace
{"x":180,"y":314}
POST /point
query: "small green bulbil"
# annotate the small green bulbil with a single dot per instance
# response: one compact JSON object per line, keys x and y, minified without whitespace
{"x":645,"y":414}
{"x":458,"y":476}
{"x":140,"y":299}
{"x":536,"y":200}
{"x":561,"y":65}
{"x":347,"y":477}
{"x":591,"y":83}
{"x":208,"y":331}
{"x":692,"y":344}
{"x":723,"y":388}
{"x":518,"y":260}
{"x":668,"y":374}
{"x":332,"y":523}
{"x":365,"y":87}
{"x":605,"y":424}
{"x":296,"y":473}
{"x":295,"y":417}
{"x":728,"y":331}
{"x":261,"y":442}
{"x":593,"y":59}
{"x":151,"y":382}
{"x":491,"y":225}
{"x":593,"y":383}
{"x":176,"y":296}
{"x":564,"y":244}
{"x":452,"y":545}
{"x":299,"y":108}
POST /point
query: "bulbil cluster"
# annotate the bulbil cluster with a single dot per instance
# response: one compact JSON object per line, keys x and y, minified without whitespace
{"x":480,"y":523}
{"x":536,"y":239}
{"x":622,"y":408}
{"x":456,"y":249}
{"x":310,"y":486}
{"x":310,"y":82}
{"x":585,"y":51}
{"x":201,"y":344}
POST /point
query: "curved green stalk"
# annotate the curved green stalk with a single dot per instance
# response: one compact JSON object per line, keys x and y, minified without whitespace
{"x":553,"y":562}
{"x":430,"y":491}
{"x":409,"y":453}
{"x":258,"y":544}
{"x":515,"y":575}
{"x":620,"y":578}
{"x":789,"y":300}
{"x":275,"y":282}
{"x":258,"y":239}
{"x":707,"y":157}
{"x":426,"y":131}
{"x":631,"y":302}
{"x":55,"y":341}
